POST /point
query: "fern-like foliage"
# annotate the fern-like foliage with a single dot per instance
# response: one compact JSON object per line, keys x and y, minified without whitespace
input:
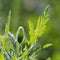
{"x":17,"y":48}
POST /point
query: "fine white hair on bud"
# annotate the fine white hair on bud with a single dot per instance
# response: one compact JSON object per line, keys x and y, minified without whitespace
{"x":18,"y":31}
{"x":11,"y":35}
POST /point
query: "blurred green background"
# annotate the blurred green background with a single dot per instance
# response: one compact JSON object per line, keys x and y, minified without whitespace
{"x":23,"y":10}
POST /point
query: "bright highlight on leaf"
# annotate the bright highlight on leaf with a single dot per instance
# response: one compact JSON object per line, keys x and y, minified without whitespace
{"x":2,"y":57}
{"x":8,"y":24}
{"x":47,"y":45}
{"x":31,"y":27}
{"x":2,"y":40}
{"x":14,"y":58}
{"x":24,"y":54}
